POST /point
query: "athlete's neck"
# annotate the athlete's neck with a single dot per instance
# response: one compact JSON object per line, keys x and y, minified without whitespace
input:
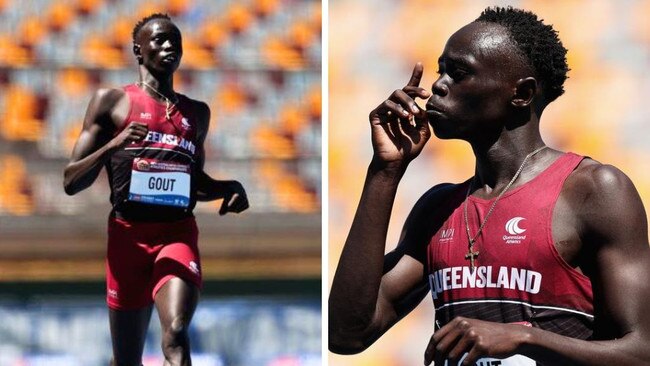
{"x":497,"y":163}
{"x":162,"y":84}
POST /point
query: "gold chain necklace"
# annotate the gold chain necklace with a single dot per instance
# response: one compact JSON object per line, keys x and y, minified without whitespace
{"x":168,"y":103}
{"x":471,"y":254}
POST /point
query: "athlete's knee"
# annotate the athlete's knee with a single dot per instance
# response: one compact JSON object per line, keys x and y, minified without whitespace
{"x":176,"y":333}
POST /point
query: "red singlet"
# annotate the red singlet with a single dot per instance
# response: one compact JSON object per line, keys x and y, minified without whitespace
{"x":519,"y":274}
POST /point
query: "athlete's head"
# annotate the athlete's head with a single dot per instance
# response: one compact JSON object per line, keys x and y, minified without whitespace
{"x":157,"y":44}
{"x":494,"y":74}
{"x":538,"y":43}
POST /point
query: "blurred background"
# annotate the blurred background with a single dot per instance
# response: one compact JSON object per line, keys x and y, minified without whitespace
{"x":257,"y":63}
{"x":372,"y":50}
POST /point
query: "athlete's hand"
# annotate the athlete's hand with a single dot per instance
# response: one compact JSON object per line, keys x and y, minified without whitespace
{"x":399,"y":126}
{"x":478,"y":338}
{"x":235,"y":199}
{"x":134,"y":132}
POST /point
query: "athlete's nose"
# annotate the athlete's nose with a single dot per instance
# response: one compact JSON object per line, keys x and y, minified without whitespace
{"x":439,"y":87}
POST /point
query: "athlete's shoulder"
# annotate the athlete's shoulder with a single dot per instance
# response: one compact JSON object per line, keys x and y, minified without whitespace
{"x":106,"y":107}
{"x":199,"y":108}
{"x":109,"y":96}
{"x":438,"y":194}
{"x":198,"y":105}
{"x":439,"y":198}
{"x":594,"y":177}
{"x":603,"y":195}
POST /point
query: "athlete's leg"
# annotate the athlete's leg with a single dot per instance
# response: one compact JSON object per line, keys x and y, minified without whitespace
{"x":128,"y":332}
{"x":176,"y":301}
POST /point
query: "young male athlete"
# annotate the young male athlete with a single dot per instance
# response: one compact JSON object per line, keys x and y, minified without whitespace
{"x":541,"y":258}
{"x":150,"y":139}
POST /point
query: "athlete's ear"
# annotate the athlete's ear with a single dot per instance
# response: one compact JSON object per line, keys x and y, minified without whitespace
{"x":137,"y":53}
{"x":524,"y":92}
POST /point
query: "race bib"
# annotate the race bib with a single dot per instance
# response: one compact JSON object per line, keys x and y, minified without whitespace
{"x":160,"y":183}
{"x":516,"y":360}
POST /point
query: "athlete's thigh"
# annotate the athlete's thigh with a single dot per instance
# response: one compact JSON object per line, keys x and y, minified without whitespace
{"x":128,"y":332}
{"x":176,"y":301}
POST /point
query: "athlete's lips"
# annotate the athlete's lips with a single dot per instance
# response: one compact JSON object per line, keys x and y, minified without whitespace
{"x":170,"y":57}
{"x":433,"y":109}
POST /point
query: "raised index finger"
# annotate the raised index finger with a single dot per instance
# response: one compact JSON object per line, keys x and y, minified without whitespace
{"x":418,"y":70}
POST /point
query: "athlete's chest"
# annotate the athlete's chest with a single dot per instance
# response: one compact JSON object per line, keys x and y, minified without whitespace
{"x":175,"y":131}
{"x":533,"y":226}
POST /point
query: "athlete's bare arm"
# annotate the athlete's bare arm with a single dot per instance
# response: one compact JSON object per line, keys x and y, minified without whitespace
{"x":612,"y":227}
{"x":371,"y":292}
{"x":106,"y":112}
{"x":208,"y":189}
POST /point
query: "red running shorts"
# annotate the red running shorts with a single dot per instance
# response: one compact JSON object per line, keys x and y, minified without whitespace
{"x":143,"y":256}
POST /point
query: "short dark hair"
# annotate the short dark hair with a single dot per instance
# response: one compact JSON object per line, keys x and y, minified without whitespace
{"x":145,"y":20}
{"x":539,"y":44}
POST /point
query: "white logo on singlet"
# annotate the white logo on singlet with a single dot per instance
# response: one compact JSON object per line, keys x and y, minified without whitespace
{"x":194,"y":267}
{"x":145,"y":115}
{"x":446,"y":235}
{"x":512,"y":226}
{"x":112,"y":293}
{"x":186,"y":125}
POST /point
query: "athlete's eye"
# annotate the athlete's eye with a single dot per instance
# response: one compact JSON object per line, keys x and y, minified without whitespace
{"x":457,"y":74}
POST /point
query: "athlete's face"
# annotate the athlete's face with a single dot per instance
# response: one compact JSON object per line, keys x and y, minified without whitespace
{"x":471,"y":99}
{"x":159,"y":46}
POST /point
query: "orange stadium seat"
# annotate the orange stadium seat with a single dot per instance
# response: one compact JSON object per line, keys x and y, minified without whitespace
{"x":12,"y":54}
{"x":20,"y":122}
{"x":277,"y":53}
{"x":148,"y":7}
{"x":73,"y":81}
{"x":264,"y":8}
{"x":59,"y":16}
{"x":292,"y":119}
{"x":238,"y":18}
{"x":87,"y":7}
{"x":32,"y":30}
{"x":196,"y":56}
{"x":231,"y":98}
{"x":212,"y":34}
{"x":302,"y":35}
{"x":178,"y":7}
{"x":96,"y":52}
{"x":286,"y":188}
{"x":121,"y":32}
{"x":271,"y":143}
{"x":15,"y":188}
